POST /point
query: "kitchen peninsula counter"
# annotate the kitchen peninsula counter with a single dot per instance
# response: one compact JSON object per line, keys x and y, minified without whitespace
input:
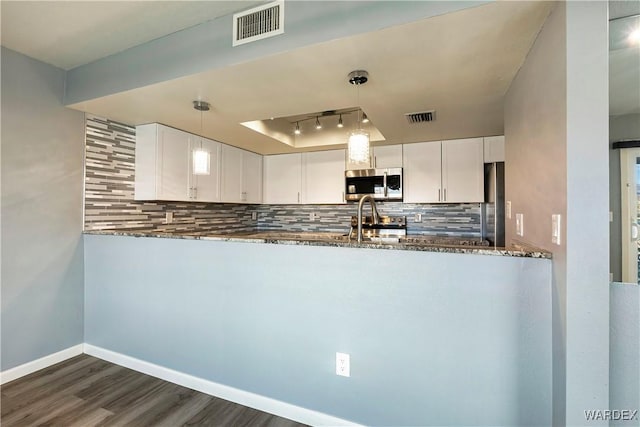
{"x":409,"y":243}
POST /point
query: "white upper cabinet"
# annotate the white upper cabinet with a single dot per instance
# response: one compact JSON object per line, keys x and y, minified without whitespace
{"x":162,"y":170}
{"x":387,"y":156}
{"x":494,"y":149}
{"x":162,"y":163}
{"x":462,"y":171}
{"x":282,"y":179}
{"x":444,"y":172}
{"x":384,"y":156}
{"x":241,"y":175}
{"x":323,"y":177}
{"x":231,"y":174}
{"x":422,"y":172}
{"x":251,"y":177}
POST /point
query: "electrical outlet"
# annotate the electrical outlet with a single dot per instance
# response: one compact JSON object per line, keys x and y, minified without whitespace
{"x":507,"y":208}
{"x":519,"y":224}
{"x":168,"y":219}
{"x":313,"y":216}
{"x":556,"y":227}
{"x":417,"y":217}
{"x":254,"y":216}
{"x":343,"y":365}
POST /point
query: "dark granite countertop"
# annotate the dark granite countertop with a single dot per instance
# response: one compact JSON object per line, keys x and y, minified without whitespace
{"x":410,"y":242}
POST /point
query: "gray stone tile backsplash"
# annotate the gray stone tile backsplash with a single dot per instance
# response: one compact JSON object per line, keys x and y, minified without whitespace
{"x":110,"y":204}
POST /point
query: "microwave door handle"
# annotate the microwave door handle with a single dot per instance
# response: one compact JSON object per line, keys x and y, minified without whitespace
{"x":384,"y":183}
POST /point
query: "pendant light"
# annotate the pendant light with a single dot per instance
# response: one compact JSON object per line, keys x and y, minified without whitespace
{"x":297,"y":131}
{"x":318,"y":125}
{"x":201,"y":158}
{"x":358,"y":145}
{"x":340,"y":124}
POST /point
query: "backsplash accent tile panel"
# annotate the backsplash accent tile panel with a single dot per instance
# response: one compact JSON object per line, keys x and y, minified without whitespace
{"x":461,"y":220}
{"x":109,"y":191}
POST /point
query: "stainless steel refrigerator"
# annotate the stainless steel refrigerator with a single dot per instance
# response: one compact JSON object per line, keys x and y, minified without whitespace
{"x":493,"y":207}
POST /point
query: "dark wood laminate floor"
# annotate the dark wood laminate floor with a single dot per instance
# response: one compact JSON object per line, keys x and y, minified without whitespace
{"x":85,"y":391}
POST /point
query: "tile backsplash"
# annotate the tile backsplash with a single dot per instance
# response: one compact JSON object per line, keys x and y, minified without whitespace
{"x":444,"y":220}
{"x":110,"y":204}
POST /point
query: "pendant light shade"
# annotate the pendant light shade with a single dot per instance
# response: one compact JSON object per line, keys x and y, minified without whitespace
{"x":201,"y":162}
{"x":201,"y":158}
{"x":358,"y":146}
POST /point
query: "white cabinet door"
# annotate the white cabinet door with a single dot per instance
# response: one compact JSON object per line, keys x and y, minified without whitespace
{"x":251,"y":177}
{"x":206,"y":188}
{"x":173,"y":176}
{"x":282,"y":179}
{"x":463,"y":171}
{"x":387,"y":156}
{"x":231,"y":174}
{"x":494,"y":149}
{"x":323,"y":177}
{"x":422,"y":172}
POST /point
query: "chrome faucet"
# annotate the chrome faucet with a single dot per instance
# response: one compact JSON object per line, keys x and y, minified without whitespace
{"x":374,"y":213}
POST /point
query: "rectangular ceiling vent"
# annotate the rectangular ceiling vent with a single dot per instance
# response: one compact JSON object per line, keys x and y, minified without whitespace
{"x":421,"y":117}
{"x":258,"y":23}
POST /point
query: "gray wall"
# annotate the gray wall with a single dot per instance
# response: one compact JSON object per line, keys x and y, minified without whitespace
{"x":555,"y":123}
{"x":624,"y":369}
{"x":434,"y":338}
{"x":535,"y":165}
{"x":620,"y":128}
{"x":42,"y":172}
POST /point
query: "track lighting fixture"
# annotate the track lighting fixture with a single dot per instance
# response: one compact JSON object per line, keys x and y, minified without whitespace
{"x":297,"y":131}
{"x":318,"y":125}
{"x":365,"y":119}
{"x":340,"y":124}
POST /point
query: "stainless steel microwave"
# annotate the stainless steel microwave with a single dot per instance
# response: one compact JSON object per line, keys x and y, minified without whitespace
{"x":382,"y":184}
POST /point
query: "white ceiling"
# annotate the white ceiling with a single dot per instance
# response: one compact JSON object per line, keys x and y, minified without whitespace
{"x":72,"y":33}
{"x":460,"y":64}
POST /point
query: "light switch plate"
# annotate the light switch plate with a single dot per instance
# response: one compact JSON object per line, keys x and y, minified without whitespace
{"x":168,"y":218}
{"x":519,"y":224}
{"x":507,"y":208}
{"x":556,"y":227}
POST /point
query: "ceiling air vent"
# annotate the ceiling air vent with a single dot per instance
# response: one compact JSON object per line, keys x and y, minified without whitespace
{"x":423,"y":116}
{"x":258,"y":23}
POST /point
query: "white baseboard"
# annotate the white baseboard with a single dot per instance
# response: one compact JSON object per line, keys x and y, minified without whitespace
{"x":262,"y":403}
{"x":43,"y":362}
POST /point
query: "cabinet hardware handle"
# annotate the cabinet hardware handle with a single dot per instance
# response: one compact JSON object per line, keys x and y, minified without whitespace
{"x":298,"y":197}
{"x":343,"y":198}
{"x":445,"y":194}
{"x":375,"y":161}
{"x":384,"y":184}
{"x":439,"y":195}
